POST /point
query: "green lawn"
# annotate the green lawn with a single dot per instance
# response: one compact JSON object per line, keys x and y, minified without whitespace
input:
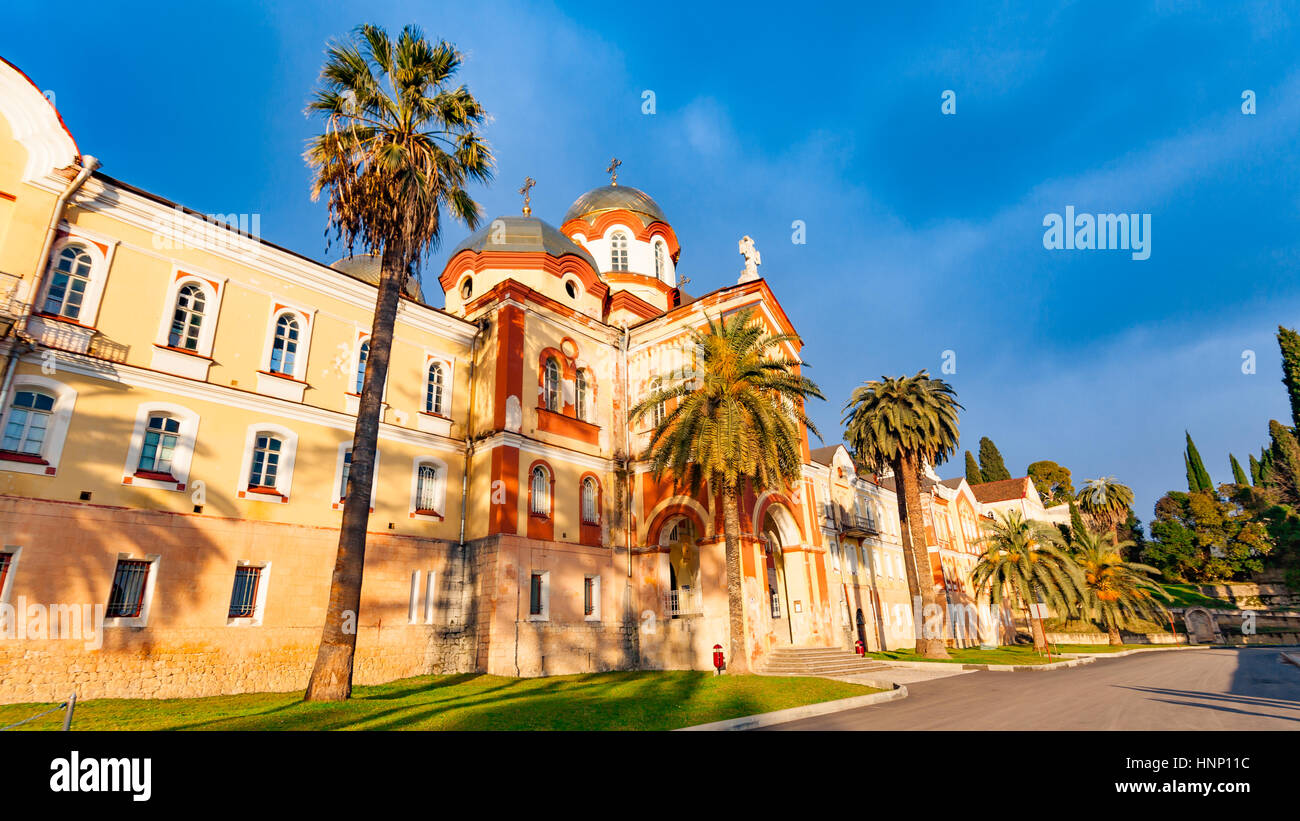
{"x":597,"y":701}
{"x":1187,"y":595}
{"x":973,"y":655}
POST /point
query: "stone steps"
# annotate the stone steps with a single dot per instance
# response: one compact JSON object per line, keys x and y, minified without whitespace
{"x":817,"y":661}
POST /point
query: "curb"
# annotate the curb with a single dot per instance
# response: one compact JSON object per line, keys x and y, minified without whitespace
{"x":1291,"y":658}
{"x":806,"y":711}
{"x":992,"y":668}
{"x":1123,"y":653}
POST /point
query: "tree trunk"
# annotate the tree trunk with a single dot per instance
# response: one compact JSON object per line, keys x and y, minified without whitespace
{"x":738,"y":660}
{"x":331,"y":678}
{"x":1040,"y":635}
{"x":1113,"y":630}
{"x":920,"y":580}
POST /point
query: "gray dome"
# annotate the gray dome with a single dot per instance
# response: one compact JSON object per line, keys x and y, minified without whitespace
{"x":611,"y":197}
{"x":365,"y":267}
{"x":524,"y":234}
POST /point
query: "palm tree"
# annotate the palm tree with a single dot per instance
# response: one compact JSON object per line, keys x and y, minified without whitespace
{"x":1106,"y":501}
{"x":399,"y":145}
{"x":1026,"y":560}
{"x":1116,"y":592}
{"x":903,"y":423}
{"x":737,"y":417}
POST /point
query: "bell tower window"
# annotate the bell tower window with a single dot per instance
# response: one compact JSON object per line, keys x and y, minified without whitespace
{"x":618,"y":252}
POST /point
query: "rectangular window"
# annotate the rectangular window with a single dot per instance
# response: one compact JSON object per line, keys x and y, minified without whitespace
{"x":535,"y":595}
{"x":589,"y":592}
{"x":426,"y":495}
{"x":347,"y":472}
{"x":127,"y":597}
{"x":243,"y":597}
{"x":6,"y":559}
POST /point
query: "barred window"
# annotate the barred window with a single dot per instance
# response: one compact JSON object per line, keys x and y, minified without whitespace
{"x":69,"y":284}
{"x":285,"y":348}
{"x":541,"y":491}
{"x":127,"y":597}
{"x":243,"y":596}
{"x":433,"y":392}
{"x":590,"y":495}
{"x":187,"y":319}
{"x":426,"y":489}
{"x":618,"y":251}
{"x":29,"y":419}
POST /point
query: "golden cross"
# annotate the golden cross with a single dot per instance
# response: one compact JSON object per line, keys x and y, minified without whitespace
{"x":529,"y":182}
{"x":613,"y":170}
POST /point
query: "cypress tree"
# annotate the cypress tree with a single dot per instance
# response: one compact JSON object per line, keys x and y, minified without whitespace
{"x":1238,"y":475}
{"x":1197,"y":467}
{"x":1192,"y":484}
{"x":1076,"y":519}
{"x":1254,"y":471}
{"x":1289,"y":341}
{"x":1266,"y":472}
{"x":1286,"y":460}
{"x":992,"y":468}
{"x":973,"y":475}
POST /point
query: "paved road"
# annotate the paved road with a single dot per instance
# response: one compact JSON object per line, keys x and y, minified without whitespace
{"x":1220,"y":689}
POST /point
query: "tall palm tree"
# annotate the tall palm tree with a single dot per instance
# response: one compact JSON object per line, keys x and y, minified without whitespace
{"x":1116,"y":592}
{"x":903,"y":423}
{"x":399,"y":145}
{"x":1106,"y":501}
{"x":1026,"y":561}
{"x":738,"y":416}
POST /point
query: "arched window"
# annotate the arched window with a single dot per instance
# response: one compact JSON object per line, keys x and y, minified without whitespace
{"x":29,"y":419}
{"x":69,"y":283}
{"x":658,"y":412}
{"x":541,"y":492}
{"x":362,"y":356}
{"x":433,"y":392}
{"x":618,"y":252}
{"x":345,"y":474}
{"x":266,"y":461}
{"x":188,"y":318}
{"x":426,"y":490}
{"x":467,"y":288}
{"x":580,"y":394}
{"x":590,"y":497}
{"x":160,"y":438}
{"x":552,"y":385}
{"x":285,"y":347}
{"x":659,"y":260}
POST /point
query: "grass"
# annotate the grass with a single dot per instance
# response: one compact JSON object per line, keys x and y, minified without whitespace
{"x":1187,"y":595}
{"x":1009,"y":654}
{"x":596,"y":701}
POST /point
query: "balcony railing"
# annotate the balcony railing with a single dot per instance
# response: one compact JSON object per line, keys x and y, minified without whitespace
{"x":683,"y":602}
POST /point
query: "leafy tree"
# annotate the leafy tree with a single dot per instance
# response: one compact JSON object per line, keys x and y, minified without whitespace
{"x":973,"y":475}
{"x":1289,"y":341}
{"x":1052,"y":482}
{"x":1025,"y":561}
{"x":1202,"y":537}
{"x":1198,"y":478}
{"x":992,"y":468}
{"x":399,"y":145}
{"x":1116,"y":592}
{"x":1238,"y":475}
{"x":735,"y":418}
{"x":904,"y":423}
{"x":1285,"y":462}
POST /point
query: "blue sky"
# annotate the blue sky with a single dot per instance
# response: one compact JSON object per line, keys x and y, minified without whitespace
{"x":924,"y":231}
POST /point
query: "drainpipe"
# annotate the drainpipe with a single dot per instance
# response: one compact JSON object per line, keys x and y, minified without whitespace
{"x":88,"y":166}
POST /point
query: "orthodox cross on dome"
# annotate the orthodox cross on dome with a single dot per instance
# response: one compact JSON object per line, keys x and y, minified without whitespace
{"x":752,"y":260}
{"x":529,"y":182}
{"x":613,"y":170}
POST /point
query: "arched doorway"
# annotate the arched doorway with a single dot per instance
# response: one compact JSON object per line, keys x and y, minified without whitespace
{"x":778,"y":591}
{"x":678,"y":537}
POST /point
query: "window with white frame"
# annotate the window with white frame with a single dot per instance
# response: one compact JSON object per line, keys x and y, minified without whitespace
{"x":343,"y":475}
{"x":30,"y":414}
{"x":35,"y":425}
{"x":591,"y":598}
{"x":415,"y":613}
{"x":363,"y":354}
{"x":551,"y":386}
{"x":590,"y":501}
{"x":852,"y":551}
{"x":426,"y":489}
{"x":161,"y":446}
{"x":618,"y":251}
{"x":187,"y":317}
{"x":657,"y":412}
{"x":433,"y":390}
{"x":248,"y":594}
{"x":539,"y":596}
{"x":540,"y":494}
{"x":132,"y":590}
{"x":268,"y":460}
{"x":580,"y":390}
{"x":835,"y":554}
{"x":69,"y":281}
{"x":284,"y":347}
{"x":161,"y":436}
{"x":659,"y":260}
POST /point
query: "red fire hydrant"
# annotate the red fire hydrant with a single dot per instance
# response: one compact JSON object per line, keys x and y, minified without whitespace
{"x":718,"y":661}
{"x":859,"y":648}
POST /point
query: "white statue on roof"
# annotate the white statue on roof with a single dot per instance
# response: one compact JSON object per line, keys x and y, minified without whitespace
{"x":752,"y":260}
